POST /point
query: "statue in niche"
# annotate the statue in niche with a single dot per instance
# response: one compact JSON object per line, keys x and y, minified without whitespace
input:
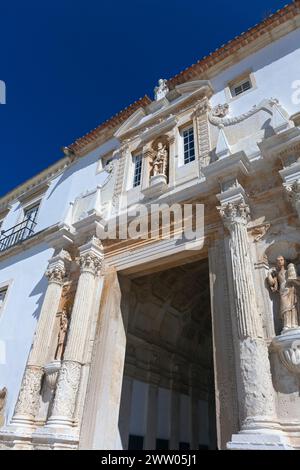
{"x":62,"y":335}
{"x":284,"y":280}
{"x":160,"y":160}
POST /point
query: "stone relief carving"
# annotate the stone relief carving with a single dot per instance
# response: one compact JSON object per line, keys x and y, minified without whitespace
{"x":66,"y":391}
{"x":202,"y":106}
{"x":220,"y":111}
{"x":62,"y":335}
{"x":90,"y":263}
{"x":28,"y":400}
{"x":55,"y":274}
{"x":283,"y":280}
{"x":233,"y":213}
{"x":3,"y":395}
{"x":293,"y":194}
{"x":221,"y":121}
{"x":161,"y":90}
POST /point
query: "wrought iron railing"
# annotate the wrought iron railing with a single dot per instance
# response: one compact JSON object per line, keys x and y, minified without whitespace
{"x":16,"y":234}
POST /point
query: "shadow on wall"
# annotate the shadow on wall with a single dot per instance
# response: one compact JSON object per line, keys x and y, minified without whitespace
{"x":41,"y":286}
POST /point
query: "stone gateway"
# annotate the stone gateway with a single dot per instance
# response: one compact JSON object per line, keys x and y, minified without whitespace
{"x":154,"y":341}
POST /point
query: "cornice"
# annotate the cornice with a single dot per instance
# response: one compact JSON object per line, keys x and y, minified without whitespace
{"x":255,"y":38}
{"x":35,"y":239}
{"x":33,"y":184}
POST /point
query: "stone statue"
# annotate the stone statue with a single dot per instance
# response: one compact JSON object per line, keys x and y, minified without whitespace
{"x":284,"y":281}
{"x":161,"y":90}
{"x":62,"y":335}
{"x":160,"y":160}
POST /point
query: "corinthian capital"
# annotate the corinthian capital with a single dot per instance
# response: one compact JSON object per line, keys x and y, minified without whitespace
{"x":234,"y":213}
{"x":57,"y":269}
{"x":91,"y":256}
{"x":293,"y":194}
{"x":56,"y":274}
{"x":89,"y":262}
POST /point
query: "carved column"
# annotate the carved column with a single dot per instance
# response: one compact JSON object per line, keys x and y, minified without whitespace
{"x":28,"y":400}
{"x":256,"y":398}
{"x":90,"y":261}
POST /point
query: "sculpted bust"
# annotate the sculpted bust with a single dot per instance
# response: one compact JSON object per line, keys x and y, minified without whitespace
{"x":283,"y":280}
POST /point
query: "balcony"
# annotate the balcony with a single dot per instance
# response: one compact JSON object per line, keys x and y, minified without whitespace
{"x":17,"y":234}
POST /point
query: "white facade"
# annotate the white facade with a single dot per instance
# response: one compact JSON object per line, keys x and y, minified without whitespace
{"x":247,"y":152}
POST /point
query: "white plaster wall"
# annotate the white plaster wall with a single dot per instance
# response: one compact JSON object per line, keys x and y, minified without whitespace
{"x":275,"y":68}
{"x":18,"y":320}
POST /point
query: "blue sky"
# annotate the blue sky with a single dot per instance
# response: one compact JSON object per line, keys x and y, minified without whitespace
{"x":70,"y":64}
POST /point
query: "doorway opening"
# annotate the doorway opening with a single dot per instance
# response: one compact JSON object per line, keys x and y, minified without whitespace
{"x":168,"y":397}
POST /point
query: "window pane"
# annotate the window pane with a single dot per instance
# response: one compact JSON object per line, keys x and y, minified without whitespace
{"x":188,"y":145}
{"x":31,"y":213}
{"x":137,"y":175}
{"x":162,"y":444}
{"x":135,"y":442}
{"x":2,"y":296}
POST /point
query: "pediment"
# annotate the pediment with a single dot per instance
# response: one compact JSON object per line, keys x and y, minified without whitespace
{"x":132,"y":121}
{"x":194,"y":85}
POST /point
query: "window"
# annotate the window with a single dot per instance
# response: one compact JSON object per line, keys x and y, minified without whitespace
{"x":31,"y":213}
{"x":188,"y":145}
{"x":135,"y":442}
{"x":162,"y":444}
{"x":3,"y":292}
{"x":184,"y":446}
{"x":240,"y":87}
{"x":137,"y":172}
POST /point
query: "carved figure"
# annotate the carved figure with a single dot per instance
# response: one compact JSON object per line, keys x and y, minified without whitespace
{"x":159,"y":163}
{"x":161,"y":90}
{"x":284,"y":281}
{"x":62,"y":335}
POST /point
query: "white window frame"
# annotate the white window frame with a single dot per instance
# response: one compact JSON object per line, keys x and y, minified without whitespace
{"x":238,"y":81}
{"x":5,"y":286}
{"x":27,"y":206}
{"x":134,"y":158}
{"x":185,"y":127}
{"x":103,"y":161}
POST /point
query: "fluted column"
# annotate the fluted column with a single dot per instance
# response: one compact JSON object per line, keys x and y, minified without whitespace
{"x":28,"y":400}
{"x":90,"y":261}
{"x":256,"y":397}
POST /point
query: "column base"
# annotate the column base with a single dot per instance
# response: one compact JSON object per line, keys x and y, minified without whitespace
{"x":259,"y":441}
{"x":57,"y":438}
{"x":59,"y":422}
{"x":23,"y":421}
{"x":16,"y":437}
